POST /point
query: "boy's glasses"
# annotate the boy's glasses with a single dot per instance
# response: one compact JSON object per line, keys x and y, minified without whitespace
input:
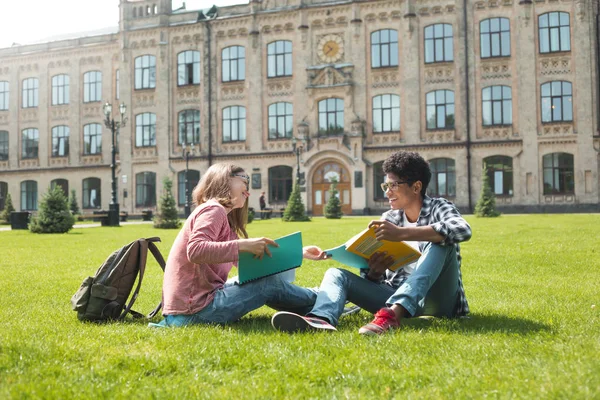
{"x":393,"y":185}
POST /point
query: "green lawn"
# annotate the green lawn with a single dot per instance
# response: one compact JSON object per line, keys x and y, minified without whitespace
{"x":531,"y":281}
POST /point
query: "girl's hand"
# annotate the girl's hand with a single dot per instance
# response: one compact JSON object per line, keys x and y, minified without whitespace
{"x":314,"y":253}
{"x":257,"y":246}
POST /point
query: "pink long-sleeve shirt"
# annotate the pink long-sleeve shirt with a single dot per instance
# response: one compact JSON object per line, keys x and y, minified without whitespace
{"x":200,"y":260}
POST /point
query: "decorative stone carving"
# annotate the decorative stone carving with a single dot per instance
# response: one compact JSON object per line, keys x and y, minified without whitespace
{"x":303,"y":130}
{"x":330,"y":76}
{"x":232,"y":92}
{"x":91,"y":159}
{"x":554,"y":130}
{"x":232,"y":148}
{"x":59,"y":161}
{"x":144,"y":152}
{"x":555,"y":65}
{"x":60,"y":114}
{"x":92,"y":111}
{"x":386,"y":138}
{"x":280,"y":145}
{"x":496,"y":132}
{"x":143,"y":100}
{"x":188,"y":96}
{"x":29,"y":115}
{"x":494,"y":70}
{"x":386,"y":78}
{"x":439,"y":74}
{"x":441,"y":136}
{"x":29,"y":163}
{"x":357,"y":127}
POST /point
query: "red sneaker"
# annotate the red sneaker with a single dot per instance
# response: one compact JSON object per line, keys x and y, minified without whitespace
{"x":385,"y":319}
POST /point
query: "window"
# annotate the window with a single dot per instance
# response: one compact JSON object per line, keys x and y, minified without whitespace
{"x":496,"y":105}
{"x":281,"y":124}
{"x":189,"y":127}
{"x":234,"y":124}
{"x":188,"y":68}
{"x":117,"y":84}
{"x":500,"y":174}
{"x":494,"y":37}
{"x":331,"y":116}
{"x":63,"y":184}
{"x":145,"y":130}
{"x":3,"y":145}
{"x":279,"y":58}
{"x":280,"y":184}
{"x":378,"y":179}
{"x":438,"y":43}
{"x":557,"y":102}
{"x":60,"y":141}
{"x":30,"y":92}
{"x":193,"y":177}
{"x":29,"y":196}
{"x":4,"y":92}
{"x":3,"y":194}
{"x":233,"y":61}
{"x":92,"y":139}
{"x":386,"y":113}
{"x":384,"y":48}
{"x":145,"y":189}
{"x":91,"y":193}
{"x":443,"y":178}
{"x":92,"y":86}
{"x":60,"y":90}
{"x":145,"y":72}
{"x":558,"y":173}
{"x":440,"y":109}
{"x":30,"y":141}
{"x":555,"y":32}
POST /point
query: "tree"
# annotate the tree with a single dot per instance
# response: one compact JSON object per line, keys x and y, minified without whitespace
{"x":54,"y":215}
{"x":168,"y":216}
{"x":486,"y":205}
{"x":333,"y":208}
{"x":295,"y":208}
{"x":73,"y":205}
{"x":8,"y":208}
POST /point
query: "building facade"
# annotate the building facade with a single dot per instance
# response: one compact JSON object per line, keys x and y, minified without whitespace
{"x":328,"y":88}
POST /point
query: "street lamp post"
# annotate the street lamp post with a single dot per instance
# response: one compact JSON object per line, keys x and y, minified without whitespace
{"x":297,"y":148}
{"x":187,"y":151}
{"x":114,"y":126}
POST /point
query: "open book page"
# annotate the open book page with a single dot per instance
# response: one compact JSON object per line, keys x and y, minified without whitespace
{"x":340,"y":254}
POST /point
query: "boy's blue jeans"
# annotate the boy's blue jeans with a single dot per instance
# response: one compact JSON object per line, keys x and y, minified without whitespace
{"x":233,"y":301}
{"x":432,"y":289}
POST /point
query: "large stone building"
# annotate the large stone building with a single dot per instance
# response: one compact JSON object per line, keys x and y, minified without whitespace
{"x":512,"y":84}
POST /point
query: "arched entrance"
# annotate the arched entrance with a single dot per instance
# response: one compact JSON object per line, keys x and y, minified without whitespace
{"x":321,"y":182}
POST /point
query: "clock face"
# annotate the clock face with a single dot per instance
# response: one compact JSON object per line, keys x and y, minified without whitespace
{"x":330,"y":48}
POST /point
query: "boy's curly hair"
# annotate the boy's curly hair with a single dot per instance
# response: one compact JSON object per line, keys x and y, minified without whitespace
{"x":409,"y":166}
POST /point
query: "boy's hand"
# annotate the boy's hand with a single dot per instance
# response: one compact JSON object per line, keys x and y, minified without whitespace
{"x":378,"y":263}
{"x":314,"y":253}
{"x":385,"y":230}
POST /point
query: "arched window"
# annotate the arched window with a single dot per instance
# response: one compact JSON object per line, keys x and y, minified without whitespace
{"x":188,"y":68}
{"x":30,"y":92}
{"x":439,"y":45}
{"x":440,"y":109}
{"x":496,"y":105}
{"x":189,"y":127}
{"x":384,"y":48}
{"x":29,"y":194}
{"x":60,"y":89}
{"x":145,"y":130}
{"x":500,"y":174}
{"x":145,"y":72}
{"x":193,"y":177}
{"x":280,"y":184}
{"x":145,"y":189}
{"x":557,"y":101}
{"x":554,"y":32}
{"x":443,"y":178}
{"x":92,"y":139}
{"x":494,"y":37}
{"x":234,"y":124}
{"x":233,"y":64}
{"x":63,"y":184}
{"x":91,"y":193}
{"x":92,"y":86}
{"x":331,"y":116}
{"x":281,"y":120}
{"x":559,"y":175}
{"x":279,"y":58}
{"x":386,"y":113}
{"x":60,"y":141}
{"x":30,"y":143}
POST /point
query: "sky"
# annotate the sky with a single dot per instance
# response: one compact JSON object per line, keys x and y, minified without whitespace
{"x":27,"y":21}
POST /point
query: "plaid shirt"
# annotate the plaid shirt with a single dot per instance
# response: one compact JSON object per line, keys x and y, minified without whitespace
{"x":445,"y":219}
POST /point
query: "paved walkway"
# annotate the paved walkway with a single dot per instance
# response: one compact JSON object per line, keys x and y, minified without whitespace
{"x":94,"y":225}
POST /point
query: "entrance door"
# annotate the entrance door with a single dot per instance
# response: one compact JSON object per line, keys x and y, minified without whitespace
{"x":321,"y":184}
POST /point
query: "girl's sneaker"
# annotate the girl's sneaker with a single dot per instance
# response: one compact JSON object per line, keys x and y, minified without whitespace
{"x":289,"y":322}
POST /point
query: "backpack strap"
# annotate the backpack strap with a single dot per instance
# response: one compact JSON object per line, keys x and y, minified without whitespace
{"x":143,"y":252}
{"x":161,"y":261}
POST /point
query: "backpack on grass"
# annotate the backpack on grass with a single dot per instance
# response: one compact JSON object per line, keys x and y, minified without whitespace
{"x":103,"y":297}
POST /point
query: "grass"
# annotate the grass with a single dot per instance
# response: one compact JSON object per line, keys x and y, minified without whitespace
{"x":533,"y":333}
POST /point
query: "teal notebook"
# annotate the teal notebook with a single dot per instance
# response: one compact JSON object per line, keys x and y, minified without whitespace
{"x":285,"y":257}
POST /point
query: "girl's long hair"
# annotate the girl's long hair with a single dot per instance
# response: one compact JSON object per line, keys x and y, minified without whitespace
{"x":215,"y":184}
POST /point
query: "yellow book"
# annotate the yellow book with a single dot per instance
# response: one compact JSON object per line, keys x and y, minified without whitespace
{"x":365,"y":244}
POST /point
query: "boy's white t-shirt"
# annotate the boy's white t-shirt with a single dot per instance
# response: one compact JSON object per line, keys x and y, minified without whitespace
{"x":410,"y":268}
